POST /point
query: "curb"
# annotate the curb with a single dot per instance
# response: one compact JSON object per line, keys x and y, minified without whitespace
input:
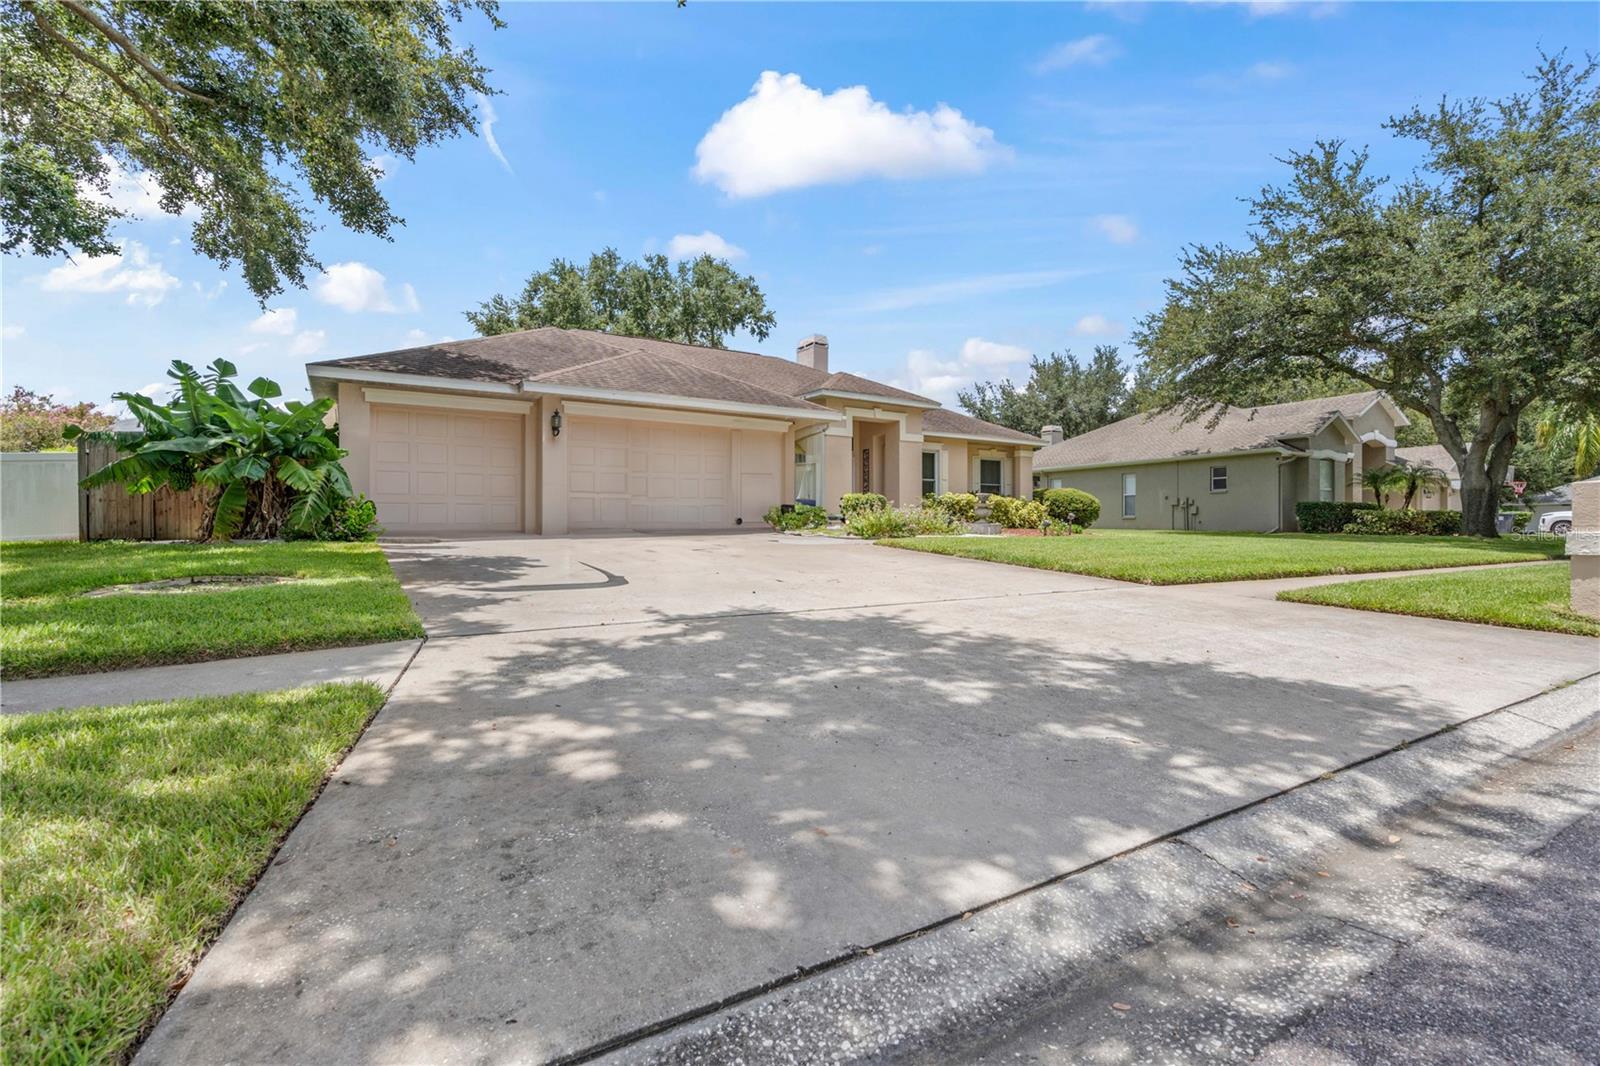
{"x":914,"y":994}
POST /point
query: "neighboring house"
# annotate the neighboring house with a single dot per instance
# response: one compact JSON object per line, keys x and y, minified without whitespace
{"x":1543,"y":503}
{"x":1245,"y":472}
{"x":1436,"y":456}
{"x":553,"y":431}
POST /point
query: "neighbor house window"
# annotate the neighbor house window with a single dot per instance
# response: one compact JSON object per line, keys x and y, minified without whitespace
{"x":1130,"y":492}
{"x":1325,"y":480}
{"x":989,"y":476}
{"x":1219,"y":479}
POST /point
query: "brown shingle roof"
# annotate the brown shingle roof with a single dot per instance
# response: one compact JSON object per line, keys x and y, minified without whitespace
{"x":1434,"y":455}
{"x":589,"y":358}
{"x":940,"y":420}
{"x":1151,"y":438}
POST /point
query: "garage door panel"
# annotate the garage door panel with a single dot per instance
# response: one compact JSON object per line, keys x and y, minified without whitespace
{"x":635,"y":474}
{"x":446,"y":471}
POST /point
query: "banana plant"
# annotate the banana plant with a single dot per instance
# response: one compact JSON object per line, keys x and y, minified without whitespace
{"x":268,"y":468}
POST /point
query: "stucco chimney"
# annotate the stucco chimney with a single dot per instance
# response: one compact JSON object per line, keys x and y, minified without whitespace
{"x":813,"y":352}
{"x":1051,"y":434}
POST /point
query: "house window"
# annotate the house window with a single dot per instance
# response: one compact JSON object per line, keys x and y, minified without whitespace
{"x":989,"y":476}
{"x":1325,"y":480}
{"x":930,"y":473}
{"x":1130,"y":493}
{"x":1219,"y":479}
{"x":807,"y":469}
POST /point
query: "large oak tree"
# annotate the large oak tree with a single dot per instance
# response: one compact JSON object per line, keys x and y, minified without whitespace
{"x":1468,"y":292}
{"x":701,"y":301}
{"x":231,"y":108}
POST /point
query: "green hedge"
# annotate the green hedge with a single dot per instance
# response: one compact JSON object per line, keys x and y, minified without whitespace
{"x":853,"y":503}
{"x":803,"y":516}
{"x":1083,"y":508}
{"x":1011,"y":513}
{"x":1406,"y":523}
{"x":1328,"y":516}
{"x":962,"y":506}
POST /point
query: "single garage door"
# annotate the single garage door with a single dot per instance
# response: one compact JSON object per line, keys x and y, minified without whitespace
{"x":626,"y":474}
{"x":443,"y":471}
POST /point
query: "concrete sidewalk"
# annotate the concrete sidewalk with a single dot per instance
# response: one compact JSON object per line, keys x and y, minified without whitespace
{"x":381,"y":664}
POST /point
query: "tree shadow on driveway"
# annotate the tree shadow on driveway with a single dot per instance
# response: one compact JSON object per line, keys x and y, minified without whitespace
{"x":550,"y":839}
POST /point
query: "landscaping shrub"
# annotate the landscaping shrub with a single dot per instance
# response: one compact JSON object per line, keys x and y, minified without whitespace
{"x":962,"y":506}
{"x":803,"y":516}
{"x":1011,"y":513}
{"x":1520,"y":520}
{"x":1328,"y":516}
{"x":1084,"y":508}
{"x":853,"y":503}
{"x":354,"y":519}
{"x":900,"y":522}
{"x":1406,"y":523}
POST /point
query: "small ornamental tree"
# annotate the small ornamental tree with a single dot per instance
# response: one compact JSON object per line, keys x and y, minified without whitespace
{"x":265,"y":469}
{"x":34,"y":422}
{"x":1470,"y":293}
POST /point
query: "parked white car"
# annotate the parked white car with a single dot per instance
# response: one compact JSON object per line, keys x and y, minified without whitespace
{"x":1557,"y":522}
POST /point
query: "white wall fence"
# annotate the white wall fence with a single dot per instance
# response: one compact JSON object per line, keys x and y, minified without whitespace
{"x":38,"y":495}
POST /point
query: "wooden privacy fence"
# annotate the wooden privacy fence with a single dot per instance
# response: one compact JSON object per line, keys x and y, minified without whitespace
{"x":111,"y":512}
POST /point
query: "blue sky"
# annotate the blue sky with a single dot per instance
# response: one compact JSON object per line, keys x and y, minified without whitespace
{"x":941,"y":189}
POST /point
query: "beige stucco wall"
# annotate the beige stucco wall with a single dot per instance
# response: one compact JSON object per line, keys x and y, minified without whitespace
{"x":759,"y":462}
{"x":1583,"y":544}
{"x":1163,"y":489}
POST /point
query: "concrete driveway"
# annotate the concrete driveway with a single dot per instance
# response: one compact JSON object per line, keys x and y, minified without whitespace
{"x":630,"y":777}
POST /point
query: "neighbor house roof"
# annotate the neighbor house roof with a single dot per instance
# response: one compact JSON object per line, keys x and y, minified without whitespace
{"x":940,"y":422}
{"x":579,"y":359}
{"x":1152,"y":438}
{"x":1434,"y":455}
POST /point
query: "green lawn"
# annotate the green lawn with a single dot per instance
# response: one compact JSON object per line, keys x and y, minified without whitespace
{"x":348,"y":595}
{"x":128,"y":835}
{"x":1524,"y":597}
{"x":1155,"y":557}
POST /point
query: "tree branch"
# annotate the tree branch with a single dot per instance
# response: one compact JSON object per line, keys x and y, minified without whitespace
{"x":131,"y":50}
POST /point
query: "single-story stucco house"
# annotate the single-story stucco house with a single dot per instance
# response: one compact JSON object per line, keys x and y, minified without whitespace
{"x":1245,"y":472}
{"x":1438,"y":457}
{"x":553,"y":431}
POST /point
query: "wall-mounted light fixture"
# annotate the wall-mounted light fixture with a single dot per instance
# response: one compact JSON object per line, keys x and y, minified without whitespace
{"x":555,"y":424}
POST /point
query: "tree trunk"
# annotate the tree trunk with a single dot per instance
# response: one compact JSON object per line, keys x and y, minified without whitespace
{"x":1480,"y":502}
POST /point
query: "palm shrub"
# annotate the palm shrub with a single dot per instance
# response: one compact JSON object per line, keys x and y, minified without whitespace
{"x":268,"y":469}
{"x":1414,"y":477}
{"x":1073,"y":506}
{"x":1383,"y":480}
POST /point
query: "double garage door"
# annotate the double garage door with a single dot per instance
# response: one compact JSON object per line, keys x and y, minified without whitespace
{"x":441,"y":471}
{"x":627,"y":474}
{"x":444,"y":471}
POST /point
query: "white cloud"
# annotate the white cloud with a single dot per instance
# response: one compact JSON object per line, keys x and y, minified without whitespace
{"x":1270,"y":71}
{"x":787,"y":135}
{"x":280,"y":321}
{"x":128,"y":270}
{"x":1096,"y":325}
{"x":383,"y":164}
{"x":308,"y":342}
{"x":487,"y":117}
{"x":1118,"y":229}
{"x":417,"y":336}
{"x":947,"y":291}
{"x":11,"y":331}
{"x":872,"y":249}
{"x":940,"y":377}
{"x":689,"y":245}
{"x":1095,"y":50}
{"x":356,"y":287}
